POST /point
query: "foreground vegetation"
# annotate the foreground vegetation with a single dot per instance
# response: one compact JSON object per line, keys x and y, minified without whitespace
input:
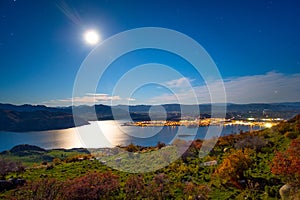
{"x":244,"y":166}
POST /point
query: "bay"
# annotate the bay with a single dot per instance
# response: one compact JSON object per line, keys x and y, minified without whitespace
{"x":110,"y":133}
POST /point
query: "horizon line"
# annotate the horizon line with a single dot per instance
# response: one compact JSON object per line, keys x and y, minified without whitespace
{"x":226,"y":103}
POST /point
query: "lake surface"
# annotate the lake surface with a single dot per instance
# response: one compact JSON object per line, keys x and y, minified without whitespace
{"x":111,"y":133}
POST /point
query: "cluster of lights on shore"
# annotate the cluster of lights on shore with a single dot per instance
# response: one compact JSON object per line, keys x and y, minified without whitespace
{"x":92,"y":37}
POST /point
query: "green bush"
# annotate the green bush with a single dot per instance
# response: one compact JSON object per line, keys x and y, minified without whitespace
{"x":291,"y":134}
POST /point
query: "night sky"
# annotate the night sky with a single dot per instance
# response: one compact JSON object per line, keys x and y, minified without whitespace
{"x":255,"y":45}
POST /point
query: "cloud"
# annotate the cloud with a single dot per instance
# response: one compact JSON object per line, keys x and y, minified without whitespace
{"x":131,"y":99}
{"x":179,"y":83}
{"x":88,"y":99}
{"x":266,"y":88}
{"x":271,"y":87}
{"x":97,"y":94}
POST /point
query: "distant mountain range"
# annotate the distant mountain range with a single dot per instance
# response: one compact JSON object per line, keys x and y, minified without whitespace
{"x":40,"y":117}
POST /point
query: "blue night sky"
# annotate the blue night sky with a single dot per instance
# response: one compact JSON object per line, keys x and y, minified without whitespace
{"x":255,"y":45}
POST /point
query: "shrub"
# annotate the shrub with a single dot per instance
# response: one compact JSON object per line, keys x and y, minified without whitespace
{"x":234,"y":165}
{"x":92,"y":186}
{"x":7,"y":166}
{"x":56,"y":161}
{"x":78,"y":158}
{"x":291,"y":134}
{"x":160,"y":145}
{"x":134,"y":187}
{"x":199,"y":192}
{"x":46,"y":189}
{"x":159,"y":187}
{"x":253,"y":142}
{"x":287,"y":164}
{"x":132,"y":148}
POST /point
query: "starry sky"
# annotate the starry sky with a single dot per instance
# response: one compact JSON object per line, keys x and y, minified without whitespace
{"x":255,"y":45}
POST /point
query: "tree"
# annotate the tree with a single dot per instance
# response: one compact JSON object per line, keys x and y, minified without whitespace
{"x":234,"y":165}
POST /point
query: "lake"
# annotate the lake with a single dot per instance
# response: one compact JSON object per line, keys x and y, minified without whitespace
{"x":109,"y":134}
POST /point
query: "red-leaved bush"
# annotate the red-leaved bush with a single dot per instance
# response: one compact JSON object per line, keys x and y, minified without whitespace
{"x":287,"y":163}
{"x":92,"y":186}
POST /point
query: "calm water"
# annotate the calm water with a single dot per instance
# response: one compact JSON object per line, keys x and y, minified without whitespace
{"x":109,"y":134}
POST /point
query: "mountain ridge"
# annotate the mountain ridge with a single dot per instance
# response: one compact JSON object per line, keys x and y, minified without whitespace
{"x":28,"y":117}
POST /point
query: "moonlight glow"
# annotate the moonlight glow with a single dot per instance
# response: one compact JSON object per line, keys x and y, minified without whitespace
{"x":91,"y":37}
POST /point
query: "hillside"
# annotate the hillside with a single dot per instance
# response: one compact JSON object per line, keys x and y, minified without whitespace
{"x":37,"y":120}
{"x":241,"y":166}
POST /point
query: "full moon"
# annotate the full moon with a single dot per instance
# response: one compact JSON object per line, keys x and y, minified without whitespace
{"x":91,"y":37}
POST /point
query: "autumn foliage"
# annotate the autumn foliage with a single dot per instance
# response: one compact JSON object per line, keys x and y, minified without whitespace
{"x":287,"y":163}
{"x":89,"y":187}
{"x":197,"y":192}
{"x":134,"y":187}
{"x":47,"y":189}
{"x":92,"y":186}
{"x":234,"y":165}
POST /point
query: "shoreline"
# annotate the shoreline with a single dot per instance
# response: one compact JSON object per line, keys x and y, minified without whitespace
{"x":267,"y":123}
